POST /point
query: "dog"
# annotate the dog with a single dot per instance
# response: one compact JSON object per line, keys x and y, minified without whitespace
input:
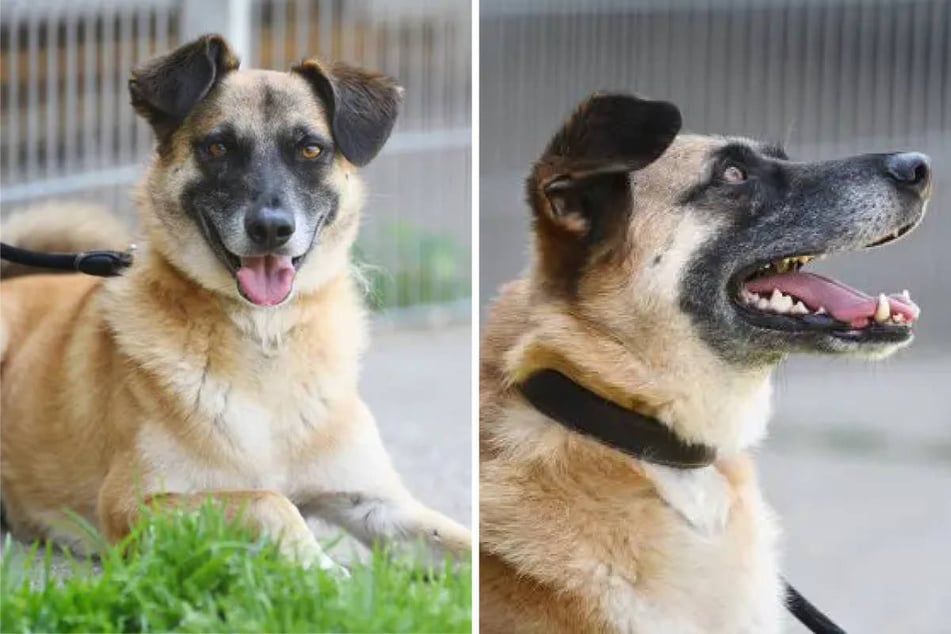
{"x":664,"y":283}
{"x":223,"y":363}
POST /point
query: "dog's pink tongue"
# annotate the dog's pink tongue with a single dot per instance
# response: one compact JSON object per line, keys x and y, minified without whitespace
{"x":842,"y":302}
{"x":266,"y":279}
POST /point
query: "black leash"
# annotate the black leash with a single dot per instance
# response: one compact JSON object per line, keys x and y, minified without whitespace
{"x":642,"y":437}
{"x":808,"y":614}
{"x":100,"y":263}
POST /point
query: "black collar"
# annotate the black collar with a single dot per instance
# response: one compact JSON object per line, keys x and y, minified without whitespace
{"x":581,"y":410}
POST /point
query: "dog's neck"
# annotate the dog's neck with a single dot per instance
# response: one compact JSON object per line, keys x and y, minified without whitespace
{"x":267,"y":330}
{"x":701,"y":399}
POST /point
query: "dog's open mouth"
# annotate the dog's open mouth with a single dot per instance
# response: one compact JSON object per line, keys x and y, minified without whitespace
{"x":264,"y":280}
{"x":779,"y":295}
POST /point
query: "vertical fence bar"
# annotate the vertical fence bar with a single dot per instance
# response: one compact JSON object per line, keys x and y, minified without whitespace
{"x":70,"y":113}
{"x":32,"y":99}
{"x":124,"y":111}
{"x":90,"y":105}
{"x":51,"y":98}
{"x":302,"y":29}
{"x":143,"y":35}
{"x":278,"y":34}
{"x":163,"y":27}
{"x":12,"y":133}
{"x":107,"y":85}
{"x":326,"y":32}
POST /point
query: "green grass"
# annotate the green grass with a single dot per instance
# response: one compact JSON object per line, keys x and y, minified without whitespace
{"x":199,"y":572}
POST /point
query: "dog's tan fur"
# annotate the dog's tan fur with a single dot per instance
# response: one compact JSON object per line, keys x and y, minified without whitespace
{"x":575,"y":536}
{"x":163,"y":385}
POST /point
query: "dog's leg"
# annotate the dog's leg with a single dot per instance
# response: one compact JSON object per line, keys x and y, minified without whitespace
{"x":399,"y":519}
{"x":264,"y":512}
{"x":362,"y":493}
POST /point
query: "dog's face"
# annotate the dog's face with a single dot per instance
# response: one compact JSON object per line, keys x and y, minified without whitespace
{"x":697,"y":242}
{"x":254,"y":186}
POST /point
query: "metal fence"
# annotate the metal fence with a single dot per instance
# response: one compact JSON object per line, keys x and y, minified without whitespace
{"x":68,"y":129}
{"x":826,"y":77}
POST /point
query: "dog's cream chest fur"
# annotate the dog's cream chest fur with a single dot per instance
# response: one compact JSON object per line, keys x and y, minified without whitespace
{"x":247,"y":412}
{"x":724,"y":541}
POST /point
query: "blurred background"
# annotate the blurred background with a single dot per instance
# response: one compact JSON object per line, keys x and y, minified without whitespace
{"x":69,"y":133}
{"x":858,"y":462}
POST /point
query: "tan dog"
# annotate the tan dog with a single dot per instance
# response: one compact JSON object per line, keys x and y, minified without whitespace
{"x":224,"y":362}
{"x":665,"y":279}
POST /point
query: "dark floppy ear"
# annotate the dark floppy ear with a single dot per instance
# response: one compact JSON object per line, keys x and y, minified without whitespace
{"x":362,"y":106}
{"x":166,"y":88}
{"x":583,"y":175}
{"x":580,"y":189}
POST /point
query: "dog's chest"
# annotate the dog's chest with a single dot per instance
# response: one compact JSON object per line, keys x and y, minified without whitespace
{"x":718,"y":571}
{"x":240,"y":433}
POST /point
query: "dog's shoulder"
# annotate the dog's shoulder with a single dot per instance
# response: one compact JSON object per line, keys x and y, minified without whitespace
{"x":505,"y":322}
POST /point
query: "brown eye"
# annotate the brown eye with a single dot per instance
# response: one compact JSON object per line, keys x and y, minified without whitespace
{"x":216,"y":149}
{"x":309,"y":151}
{"x":734,"y":174}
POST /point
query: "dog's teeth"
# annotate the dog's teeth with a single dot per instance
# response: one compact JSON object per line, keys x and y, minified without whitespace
{"x":779,"y":302}
{"x":898,"y":318}
{"x":906,"y":295}
{"x":883,"y":310}
{"x":762,"y":303}
{"x":799,"y":309}
{"x":821,"y":310}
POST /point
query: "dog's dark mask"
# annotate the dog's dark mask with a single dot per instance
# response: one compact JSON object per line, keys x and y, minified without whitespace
{"x":745,"y":289}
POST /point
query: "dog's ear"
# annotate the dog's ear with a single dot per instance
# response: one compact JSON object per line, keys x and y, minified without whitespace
{"x":166,"y":88}
{"x":579,"y":190}
{"x":586,"y":165}
{"x":362,"y":106}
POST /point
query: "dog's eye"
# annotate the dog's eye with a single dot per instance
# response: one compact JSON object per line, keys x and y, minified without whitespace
{"x":216,"y":149}
{"x":309,"y":151}
{"x":733,"y":174}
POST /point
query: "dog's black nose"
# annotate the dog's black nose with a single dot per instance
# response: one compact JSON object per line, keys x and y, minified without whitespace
{"x":909,"y":169}
{"x":269,"y":227}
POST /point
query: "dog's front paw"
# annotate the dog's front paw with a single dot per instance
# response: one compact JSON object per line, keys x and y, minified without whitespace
{"x":310,"y":554}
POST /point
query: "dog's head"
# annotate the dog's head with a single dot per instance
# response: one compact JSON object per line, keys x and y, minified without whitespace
{"x":253,"y":190}
{"x":698,"y":241}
